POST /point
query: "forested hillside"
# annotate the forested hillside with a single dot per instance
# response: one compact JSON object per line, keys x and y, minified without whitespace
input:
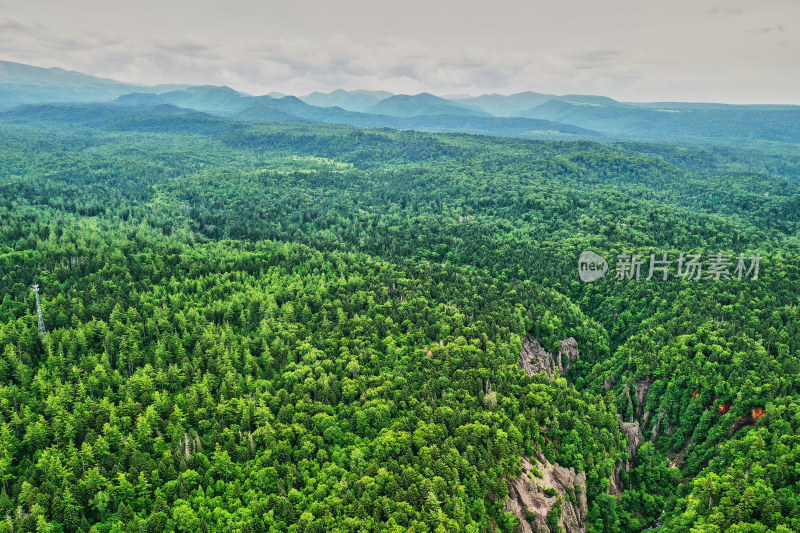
{"x":315,"y":327}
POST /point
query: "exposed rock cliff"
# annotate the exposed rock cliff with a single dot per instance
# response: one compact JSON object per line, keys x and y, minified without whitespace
{"x":633,"y":431}
{"x":534,"y":494}
{"x":642,"y":388}
{"x":531,"y":498}
{"x":569,"y":351}
{"x":657,"y":425}
{"x":533,"y":358}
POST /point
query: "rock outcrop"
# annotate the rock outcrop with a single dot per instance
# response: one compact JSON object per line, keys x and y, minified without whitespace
{"x":642,"y":388}
{"x":657,"y":425}
{"x":531,"y":497}
{"x":633,"y":431}
{"x":533,"y":358}
{"x":534,"y":494}
{"x":569,"y":350}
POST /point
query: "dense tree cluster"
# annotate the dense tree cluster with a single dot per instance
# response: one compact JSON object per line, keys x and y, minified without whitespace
{"x":317,"y":328}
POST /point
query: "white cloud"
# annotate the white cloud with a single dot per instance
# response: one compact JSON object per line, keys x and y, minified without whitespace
{"x":687,"y":50}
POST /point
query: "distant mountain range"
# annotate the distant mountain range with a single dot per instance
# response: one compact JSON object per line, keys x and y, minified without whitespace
{"x":424,"y":112}
{"x":526,"y":114}
{"x":24,"y":84}
{"x":502,"y":105}
{"x":349,"y":100}
{"x":404,"y":105}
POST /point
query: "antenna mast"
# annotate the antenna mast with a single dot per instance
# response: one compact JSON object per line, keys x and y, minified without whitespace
{"x":42,"y":329}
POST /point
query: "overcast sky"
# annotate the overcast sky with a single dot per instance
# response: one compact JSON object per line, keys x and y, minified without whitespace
{"x":738,"y":51}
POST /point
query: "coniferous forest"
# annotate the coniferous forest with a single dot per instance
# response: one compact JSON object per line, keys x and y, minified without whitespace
{"x":262,"y":326}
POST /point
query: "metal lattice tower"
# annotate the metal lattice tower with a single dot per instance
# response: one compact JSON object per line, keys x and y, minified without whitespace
{"x":42,"y":329}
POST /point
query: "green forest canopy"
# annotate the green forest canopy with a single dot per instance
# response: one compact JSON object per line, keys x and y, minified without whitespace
{"x":258,"y":327}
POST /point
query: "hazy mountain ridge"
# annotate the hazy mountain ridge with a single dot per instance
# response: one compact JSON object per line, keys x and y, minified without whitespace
{"x":522,"y":114}
{"x":25,"y":84}
{"x":404,"y":105}
{"x":153,"y":114}
{"x":358,"y":100}
{"x":762,"y":123}
{"x":502,"y":105}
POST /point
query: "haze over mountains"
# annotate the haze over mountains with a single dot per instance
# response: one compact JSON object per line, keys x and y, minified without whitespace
{"x":526,"y":114}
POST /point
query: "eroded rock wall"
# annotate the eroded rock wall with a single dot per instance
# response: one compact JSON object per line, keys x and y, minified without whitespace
{"x":531,"y":497}
{"x":533,"y":358}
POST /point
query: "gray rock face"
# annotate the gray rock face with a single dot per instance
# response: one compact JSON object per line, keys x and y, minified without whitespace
{"x":529,"y":501}
{"x":531,"y":497}
{"x":533,"y":358}
{"x":642,"y":388}
{"x":569,"y":352}
{"x":633,"y":431}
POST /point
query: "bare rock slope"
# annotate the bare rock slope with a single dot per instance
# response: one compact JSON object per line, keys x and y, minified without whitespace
{"x":531,"y":498}
{"x":533,"y":358}
{"x":534,"y":494}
